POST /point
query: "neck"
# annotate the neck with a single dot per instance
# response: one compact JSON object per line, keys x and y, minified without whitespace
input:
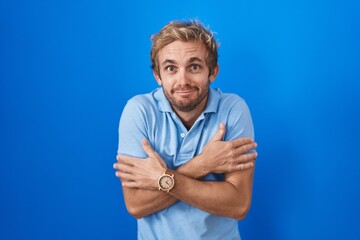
{"x":189,"y":118}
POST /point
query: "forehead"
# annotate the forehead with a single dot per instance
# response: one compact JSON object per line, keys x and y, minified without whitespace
{"x":180,"y":51}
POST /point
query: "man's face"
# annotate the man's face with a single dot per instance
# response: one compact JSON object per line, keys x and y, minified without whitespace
{"x":184,"y":75}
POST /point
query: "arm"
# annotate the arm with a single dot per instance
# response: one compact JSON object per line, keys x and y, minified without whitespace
{"x":139,"y":178}
{"x":142,"y":202}
{"x":230,"y":198}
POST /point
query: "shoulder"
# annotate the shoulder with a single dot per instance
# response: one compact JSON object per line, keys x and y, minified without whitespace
{"x":229,"y":100}
{"x":234,"y":112}
{"x":142,"y":99}
{"x":142,"y":102}
{"x":143,"y":109}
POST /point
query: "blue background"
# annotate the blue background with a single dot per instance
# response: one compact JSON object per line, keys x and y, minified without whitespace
{"x":68,"y":67}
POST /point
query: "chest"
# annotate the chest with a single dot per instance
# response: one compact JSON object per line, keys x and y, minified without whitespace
{"x":177,"y":145}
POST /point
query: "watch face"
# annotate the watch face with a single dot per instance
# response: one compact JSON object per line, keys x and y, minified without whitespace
{"x":166,"y":182}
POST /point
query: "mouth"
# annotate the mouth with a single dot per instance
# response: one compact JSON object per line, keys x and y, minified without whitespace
{"x":184,"y":92}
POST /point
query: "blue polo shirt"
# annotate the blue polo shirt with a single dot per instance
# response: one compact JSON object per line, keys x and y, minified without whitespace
{"x":150,"y":116}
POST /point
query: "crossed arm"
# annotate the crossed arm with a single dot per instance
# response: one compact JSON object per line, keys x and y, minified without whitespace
{"x":230,"y":198}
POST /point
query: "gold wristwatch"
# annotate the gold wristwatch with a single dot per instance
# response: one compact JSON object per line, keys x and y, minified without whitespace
{"x":166,"y":181}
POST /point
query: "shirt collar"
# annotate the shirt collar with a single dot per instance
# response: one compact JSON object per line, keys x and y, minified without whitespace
{"x":211,"y":105}
{"x":162,"y":102}
{"x":213,"y":100}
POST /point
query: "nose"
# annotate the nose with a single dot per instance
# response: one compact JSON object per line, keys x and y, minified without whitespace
{"x":183,"y":77}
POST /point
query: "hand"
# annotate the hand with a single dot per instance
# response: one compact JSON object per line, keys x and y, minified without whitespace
{"x":222,"y":157}
{"x":140,"y":172}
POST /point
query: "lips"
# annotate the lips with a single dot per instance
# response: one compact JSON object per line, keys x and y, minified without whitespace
{"x":184,"y":92}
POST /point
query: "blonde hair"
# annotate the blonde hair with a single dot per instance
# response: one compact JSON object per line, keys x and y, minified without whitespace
{"x":192,"y":30}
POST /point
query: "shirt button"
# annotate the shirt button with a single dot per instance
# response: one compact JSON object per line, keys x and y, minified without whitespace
{"x":182,"y":135}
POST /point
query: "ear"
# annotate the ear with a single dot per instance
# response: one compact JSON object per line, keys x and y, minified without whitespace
{"x":214,"y":73}
{"x":157,"y":77}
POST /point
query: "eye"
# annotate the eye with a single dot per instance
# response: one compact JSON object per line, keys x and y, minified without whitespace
{"x":170,"y":68}
{"x":195,"y":67}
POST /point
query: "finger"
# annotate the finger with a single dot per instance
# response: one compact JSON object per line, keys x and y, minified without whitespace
{"x":241,"y":141}
{"x":124,"y":168}
{"x":115,"y":166}
{"x":247,"y":157}
{"x":244,"y":166}
{"x":246,"y":148}
{"x":129,"y":184}
{"x":151,"y":153}
{"x":124,"y":176}
{"x":219,"y":133}
{"x":148,"y":149}
{"x":123,"y":159}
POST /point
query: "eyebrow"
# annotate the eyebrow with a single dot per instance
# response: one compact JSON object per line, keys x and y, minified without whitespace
{"x":168,"y":61}
{"x":191,"y":60}
{"x":195,"y":59}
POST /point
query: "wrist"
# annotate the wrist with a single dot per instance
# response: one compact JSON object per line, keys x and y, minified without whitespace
{"x":195,"y":168}
{"x":201,"y":167}
{"x":155,"y":178}
{"x":166,"y":181}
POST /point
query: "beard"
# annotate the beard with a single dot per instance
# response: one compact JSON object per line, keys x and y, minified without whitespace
{"x":186,"y":105}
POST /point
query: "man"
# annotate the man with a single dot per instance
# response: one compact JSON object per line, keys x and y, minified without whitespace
{"x":186,"y":151}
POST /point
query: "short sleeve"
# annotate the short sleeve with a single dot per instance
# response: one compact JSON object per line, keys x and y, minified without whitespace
{"x":132,"y":129}
{"x":239,"y":123}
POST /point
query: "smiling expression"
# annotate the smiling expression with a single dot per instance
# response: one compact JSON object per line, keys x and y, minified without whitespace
{"x":184,"y":75}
